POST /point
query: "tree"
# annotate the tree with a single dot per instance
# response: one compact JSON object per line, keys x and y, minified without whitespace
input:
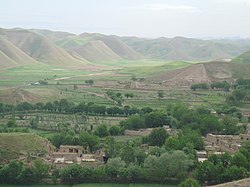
{"x":76,"y":173}
{"x":27,"y":176}
{"x":40,"y":169}
{"x":140,"y":156}
{"x":230,"y":125}
{"x":234,"y":173}
{"x":175,"y":164}
{"x":34,"y":122}
{"x":239,"y":160}
{"x":88,"y":140}
{"x":101,"y":131}
{"x":114,"y":166}
{"x":157,"y":137}
{"x":11,"y":123}
{"x":127,"y":153}
{"x":9,"y":174}
{"x":199,"y":86}
{"x":89,"y":82}
{"x":114,"y":130}
{"x":157,"y":119}
{"x":127,"y":95}
{"x":134,"y":122}
{"x":146,"y":110}
{"x":152,"y":168}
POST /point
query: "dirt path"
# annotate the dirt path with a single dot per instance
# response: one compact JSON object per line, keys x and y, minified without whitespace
{"x":88,"y":75}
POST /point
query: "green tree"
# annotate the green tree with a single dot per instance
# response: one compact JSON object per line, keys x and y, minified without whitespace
{"x":11,"y":123}
{"x":27,"y":176}
{"x":114,"y":167}
{"x":114,"y":130}
{"x":157,"y":119}
{"x":134,"y":122}
{"x":101,"y":131}
{"x":88,"y":140}
{"x":175,"y":164}
{"x":76,"y":173}
{"x":140,"y":156}
{"x":127,"y":153}
{"x":9,"y":174}
{"x":40,"y":169}
{"x":239,"y":160}
{"x":157,"y":137}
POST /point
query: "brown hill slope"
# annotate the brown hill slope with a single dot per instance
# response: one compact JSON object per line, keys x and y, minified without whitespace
{"x":17,"y":95}
{"x":6,"y":62}
{"x":204,"y":72}
{"x":40,"y":48}
{"x":119,"y":48}
{"x":97,"y":51}
{"x":11,"y":56}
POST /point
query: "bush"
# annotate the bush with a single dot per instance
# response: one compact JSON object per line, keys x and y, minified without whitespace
{"x":11,"y":123}
{"x":114,"y":130}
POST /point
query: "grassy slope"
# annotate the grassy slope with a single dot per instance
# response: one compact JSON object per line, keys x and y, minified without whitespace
{"x":14,"y":145}
{"x":180,"y":48}
{"x":243,"y":58}
{"x":115,"y":46}
{"x":97,"y":51}
{"x":11,"y":56}
{"x":71,"y":42}
{"x":153,"y":68}
{"x":24,"y":75}
{"x":41,"y":48}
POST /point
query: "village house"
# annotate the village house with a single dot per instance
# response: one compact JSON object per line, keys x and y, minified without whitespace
{"x":228,"y":143}
{"x":69,"y":154}
{"x":219,"y":144}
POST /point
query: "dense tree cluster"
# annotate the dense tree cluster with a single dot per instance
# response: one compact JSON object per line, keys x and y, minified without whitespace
{"x":85,"y":139}
{"x":220,"y":85}
{"x":154,"y":169}
{"x":180,"y":116}
{"x":224,"y":168}
{"x":17,"y":173}
{"x":148,"y":120}
{"x":241,"y":92}
{"x":214,"y":85}
{"x":64,"y":105}
{"x":90,"y":82}
{"x":199,"y":86}
{"x":203,"y":120}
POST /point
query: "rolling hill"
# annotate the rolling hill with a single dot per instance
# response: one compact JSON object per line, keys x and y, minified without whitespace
{"x":40,"y":48}
{"x":52,"y":35}
{"x":203,"y":72}
{"x":97,"y":51}
{"x":114,"y":47}
{"x":20,"y":47}
{"x":243,"y":58}
{"x":180,"y":48}
{"x":11,"y":56}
